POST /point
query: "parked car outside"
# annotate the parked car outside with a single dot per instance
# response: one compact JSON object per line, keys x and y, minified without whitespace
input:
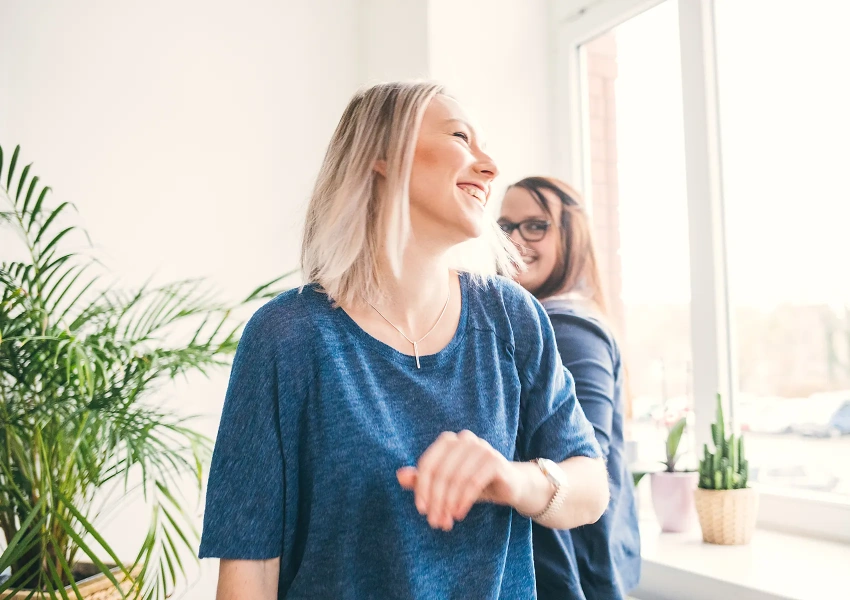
{"x":826,"y":415}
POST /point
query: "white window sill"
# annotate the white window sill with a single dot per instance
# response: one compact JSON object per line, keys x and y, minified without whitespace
{"x":774,"y":566}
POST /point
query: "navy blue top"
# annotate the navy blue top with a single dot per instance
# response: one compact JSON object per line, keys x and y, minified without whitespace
{"x":599,"y":561}
{"x":319,"y":415}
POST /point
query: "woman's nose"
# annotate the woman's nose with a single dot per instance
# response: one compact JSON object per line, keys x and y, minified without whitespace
{"x":487,"y":166}
{"x":516,"y":238}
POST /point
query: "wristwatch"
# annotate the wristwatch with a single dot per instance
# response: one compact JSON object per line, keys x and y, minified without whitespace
{"x":555,"y":475}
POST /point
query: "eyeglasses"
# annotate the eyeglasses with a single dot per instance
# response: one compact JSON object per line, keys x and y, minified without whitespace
{"x":531,"y":230}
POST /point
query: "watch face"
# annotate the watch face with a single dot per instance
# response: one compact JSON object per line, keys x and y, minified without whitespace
{"x":551,"y":470}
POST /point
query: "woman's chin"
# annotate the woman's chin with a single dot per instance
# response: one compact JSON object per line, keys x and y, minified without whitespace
{"x":528,"y":279}
{"x":521,"y":278}
{"x":466,"y":230}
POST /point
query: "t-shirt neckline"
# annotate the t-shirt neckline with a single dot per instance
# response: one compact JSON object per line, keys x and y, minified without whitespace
{"x":426,"y":361}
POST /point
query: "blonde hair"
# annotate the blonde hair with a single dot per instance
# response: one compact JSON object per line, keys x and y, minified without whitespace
{"x":349,"y":223}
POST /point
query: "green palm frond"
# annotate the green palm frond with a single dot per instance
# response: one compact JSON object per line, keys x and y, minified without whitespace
{"x":80,"y":361}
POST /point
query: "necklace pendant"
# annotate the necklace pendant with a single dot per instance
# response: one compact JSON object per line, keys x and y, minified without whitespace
{"x":401,"y":333}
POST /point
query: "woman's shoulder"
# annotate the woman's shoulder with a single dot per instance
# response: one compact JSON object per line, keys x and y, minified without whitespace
{"x":580,"y":321}
{"x":499,"y":292}
{"x":286,"y":317}
{"x":508,"y":310}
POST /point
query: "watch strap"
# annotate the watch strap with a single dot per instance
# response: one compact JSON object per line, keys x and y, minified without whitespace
{"x":555,"y":501}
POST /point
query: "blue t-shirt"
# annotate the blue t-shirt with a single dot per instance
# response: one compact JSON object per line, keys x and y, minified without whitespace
{"x":600,"y":561}
{"x":319,"y":415}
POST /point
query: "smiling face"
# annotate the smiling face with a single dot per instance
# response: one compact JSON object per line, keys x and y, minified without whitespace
{"x":541,"y":256}
{"x":451,"y":177}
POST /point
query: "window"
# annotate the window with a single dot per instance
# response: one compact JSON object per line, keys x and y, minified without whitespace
{"x":637,"y":194}
{"x":762,"y":95}
{"x":784,"y":94}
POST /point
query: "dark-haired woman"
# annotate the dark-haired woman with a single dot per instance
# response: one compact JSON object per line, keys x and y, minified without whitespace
{"x":547,"y":221}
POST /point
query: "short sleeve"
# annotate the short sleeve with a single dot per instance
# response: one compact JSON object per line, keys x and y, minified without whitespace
{"x":244,"y":503}
{"x":553,"y":423}
{"x":587,"y":355}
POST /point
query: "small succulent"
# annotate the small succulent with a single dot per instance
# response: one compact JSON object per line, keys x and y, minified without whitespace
{"x":725,"y":468}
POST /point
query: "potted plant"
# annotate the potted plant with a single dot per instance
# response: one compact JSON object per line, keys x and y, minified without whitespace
{"x":672,"y":490}
{"x":726,"y":505}
{"x":80,"y":428}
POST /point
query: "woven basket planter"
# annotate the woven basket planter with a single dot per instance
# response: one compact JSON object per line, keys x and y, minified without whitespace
{"x":94,"y":586}
{"x":727,"y":516}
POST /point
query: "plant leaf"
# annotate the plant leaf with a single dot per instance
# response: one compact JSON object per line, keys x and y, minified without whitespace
{"x":263,"y":290}
{"x":106,"y":571}
{"x":673,"y":439}
{"x":22,"y":184}
{"x":12,"y":164}
{"x":9,"y":555}
{"x":46,"y":225}
{"x":33,"y":183}
{"x":37,"y":208}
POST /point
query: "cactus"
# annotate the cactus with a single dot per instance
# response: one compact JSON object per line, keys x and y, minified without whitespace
{"x":726,"y":468}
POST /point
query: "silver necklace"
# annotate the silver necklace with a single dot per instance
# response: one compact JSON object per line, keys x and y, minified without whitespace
{"x":417,"y":342}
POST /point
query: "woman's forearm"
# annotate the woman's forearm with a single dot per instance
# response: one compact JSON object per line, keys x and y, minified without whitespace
{"x":248,"y":579}
{"x":586,"y":496}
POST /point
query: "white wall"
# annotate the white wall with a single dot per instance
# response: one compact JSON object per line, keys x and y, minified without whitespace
{"x":395,"y":40}
{"x":189,"y":133}
{"x":494,"y":56}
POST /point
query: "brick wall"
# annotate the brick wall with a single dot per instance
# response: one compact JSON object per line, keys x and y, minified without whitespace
{"x":603,"y":191}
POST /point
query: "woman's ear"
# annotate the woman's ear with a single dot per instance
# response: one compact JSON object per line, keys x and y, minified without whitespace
{"x":380,"y":167}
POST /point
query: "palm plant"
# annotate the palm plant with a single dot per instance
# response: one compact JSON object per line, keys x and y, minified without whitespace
{"x":80,"y":361}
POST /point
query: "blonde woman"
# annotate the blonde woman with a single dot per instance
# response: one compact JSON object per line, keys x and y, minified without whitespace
{"x":391,"y":429}
{"x":546,"y":219}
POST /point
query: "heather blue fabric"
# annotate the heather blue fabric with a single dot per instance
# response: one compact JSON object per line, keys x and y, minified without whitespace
{"x":319,"y":416}
{"x":600,"y":561}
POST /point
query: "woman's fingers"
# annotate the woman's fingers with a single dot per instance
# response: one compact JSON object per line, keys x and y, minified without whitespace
{"x":471,"y":478}
{"x":451,"y":476}
{"x":440,"y":475}
{"x":473,"y":452}
{"x":425,"y":468}
{"x":407,"y":477}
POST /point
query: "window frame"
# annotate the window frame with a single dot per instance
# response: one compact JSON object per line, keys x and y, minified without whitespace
{"x":575,"y":23}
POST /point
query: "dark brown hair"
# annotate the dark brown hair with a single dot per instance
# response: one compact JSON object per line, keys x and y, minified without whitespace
{"x":576,"y":268}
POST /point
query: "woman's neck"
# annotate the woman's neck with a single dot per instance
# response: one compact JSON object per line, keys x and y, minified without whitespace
{"x":415,"y":297}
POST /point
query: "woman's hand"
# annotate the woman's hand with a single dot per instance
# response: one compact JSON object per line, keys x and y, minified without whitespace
{"x":455,"y":472}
